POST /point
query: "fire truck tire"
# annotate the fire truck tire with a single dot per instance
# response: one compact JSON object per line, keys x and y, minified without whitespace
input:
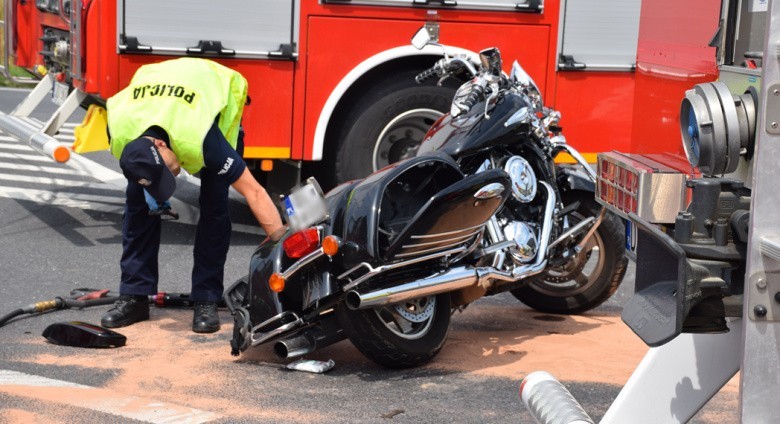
{"x":385,"y":127}
{"x":590,"y":278}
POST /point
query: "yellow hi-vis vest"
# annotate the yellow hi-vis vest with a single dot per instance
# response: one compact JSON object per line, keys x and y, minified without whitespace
{"x":183,"y":97}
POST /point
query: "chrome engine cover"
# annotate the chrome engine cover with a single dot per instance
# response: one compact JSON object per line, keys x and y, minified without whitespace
{"x":525,"y":240}
{"x":523,"y":178}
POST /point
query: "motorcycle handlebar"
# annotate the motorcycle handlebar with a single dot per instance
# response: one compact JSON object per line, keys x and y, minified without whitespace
{"x":476,"y":92}
{"x":426,"y":74}
{"x":440,"y":69}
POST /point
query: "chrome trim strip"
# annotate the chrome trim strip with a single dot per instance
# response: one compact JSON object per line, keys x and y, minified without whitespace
{"x":375,"y":271}
{"x":424,"y":251}
{"x":449,"y":233}
{"x":472,"y":248}
{"x":302,"y":262}
{"x":433,"y":243}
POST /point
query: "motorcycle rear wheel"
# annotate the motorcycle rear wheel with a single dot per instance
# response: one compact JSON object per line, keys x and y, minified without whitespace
{"x":588,"y":279}
{"x":399,"y":336}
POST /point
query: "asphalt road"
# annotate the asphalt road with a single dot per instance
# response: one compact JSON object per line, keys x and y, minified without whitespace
{"x":60,"y":229}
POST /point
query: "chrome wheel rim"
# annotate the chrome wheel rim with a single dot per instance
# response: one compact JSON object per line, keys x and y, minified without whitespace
{"x":409,"y":320}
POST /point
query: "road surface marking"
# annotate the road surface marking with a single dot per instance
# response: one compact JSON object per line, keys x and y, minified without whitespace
{"x":101,"y":400}
{"x":188,"y":214}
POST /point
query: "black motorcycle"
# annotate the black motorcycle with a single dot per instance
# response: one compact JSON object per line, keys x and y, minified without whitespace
{"x":481,"y":209}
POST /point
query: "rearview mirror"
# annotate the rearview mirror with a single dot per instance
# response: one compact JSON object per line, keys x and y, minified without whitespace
{"x":429,"y":34}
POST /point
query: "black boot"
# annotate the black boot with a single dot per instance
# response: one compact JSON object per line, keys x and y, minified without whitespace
{"x":127,"y":310}
{"x":206,"y":318}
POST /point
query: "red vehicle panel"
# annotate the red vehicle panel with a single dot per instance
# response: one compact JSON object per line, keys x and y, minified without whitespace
{"x":672,"y":56}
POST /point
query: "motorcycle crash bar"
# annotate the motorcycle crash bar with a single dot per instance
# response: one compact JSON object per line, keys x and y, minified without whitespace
{"x":460,"y":277}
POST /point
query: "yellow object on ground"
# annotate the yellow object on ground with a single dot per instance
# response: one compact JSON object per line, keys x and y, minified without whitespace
{"x":91,"y":134}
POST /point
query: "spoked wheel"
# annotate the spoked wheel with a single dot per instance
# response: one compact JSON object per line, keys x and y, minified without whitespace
{"x":588,"y":278}
{"x":403,"y":335}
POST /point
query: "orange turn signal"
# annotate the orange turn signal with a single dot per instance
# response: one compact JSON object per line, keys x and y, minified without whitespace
{"x":331,"y":245}
{"x":276,"y":282}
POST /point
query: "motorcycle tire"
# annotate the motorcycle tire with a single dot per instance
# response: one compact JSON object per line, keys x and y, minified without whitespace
{"x":555,"y":292}
{"x":382,"y":342}
{"x":385,"y":126}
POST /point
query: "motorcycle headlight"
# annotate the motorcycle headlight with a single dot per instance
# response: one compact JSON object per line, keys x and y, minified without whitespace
{"x":523,"y":178}
{"x":716,"y":126}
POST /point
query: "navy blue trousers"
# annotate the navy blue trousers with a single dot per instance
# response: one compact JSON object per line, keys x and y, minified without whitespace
{"x":141,"y":239}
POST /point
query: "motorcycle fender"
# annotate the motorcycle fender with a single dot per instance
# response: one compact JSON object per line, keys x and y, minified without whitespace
{"x":573,"y":177}
{"x":262,"y":302}
{"x":303,"y":290}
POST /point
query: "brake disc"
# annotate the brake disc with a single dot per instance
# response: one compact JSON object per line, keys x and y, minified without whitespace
{"x":569,"y":270}
{"x":417,"y":310}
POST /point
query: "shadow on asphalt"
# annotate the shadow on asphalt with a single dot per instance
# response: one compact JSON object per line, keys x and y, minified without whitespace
{"x":67,"y":226}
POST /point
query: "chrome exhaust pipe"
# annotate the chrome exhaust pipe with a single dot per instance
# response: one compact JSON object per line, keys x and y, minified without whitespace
{"x":307,"y":342}
{"x":454,"y":279}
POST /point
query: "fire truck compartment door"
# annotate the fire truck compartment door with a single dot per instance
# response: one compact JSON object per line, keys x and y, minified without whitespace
{"x":598,"y":35}
{"x":240,"y":28}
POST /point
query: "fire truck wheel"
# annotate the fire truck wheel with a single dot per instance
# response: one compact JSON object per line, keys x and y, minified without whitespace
{"x":590,"y":277}
{"x":387,"y":127}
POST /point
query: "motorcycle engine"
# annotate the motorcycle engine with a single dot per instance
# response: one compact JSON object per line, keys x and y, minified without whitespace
{"x":524,"y":191}
{"x":526,"y":242}
{"x":523,"y":178}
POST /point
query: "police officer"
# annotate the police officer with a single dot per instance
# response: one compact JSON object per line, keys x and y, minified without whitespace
{"x":182,"y":113}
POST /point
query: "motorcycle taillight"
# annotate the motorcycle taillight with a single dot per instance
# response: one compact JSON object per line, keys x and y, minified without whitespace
{"x":302,"y":243}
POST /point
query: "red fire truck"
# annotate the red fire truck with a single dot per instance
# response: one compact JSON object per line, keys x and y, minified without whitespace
{"x":331,"y":76}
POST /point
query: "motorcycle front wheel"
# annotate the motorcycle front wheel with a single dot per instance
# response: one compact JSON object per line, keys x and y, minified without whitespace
{"x":403,"y":335}
{"x":588,"y":279}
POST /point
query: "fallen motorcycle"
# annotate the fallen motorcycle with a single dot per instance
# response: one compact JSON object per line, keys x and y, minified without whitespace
{"x":481,"y":209}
